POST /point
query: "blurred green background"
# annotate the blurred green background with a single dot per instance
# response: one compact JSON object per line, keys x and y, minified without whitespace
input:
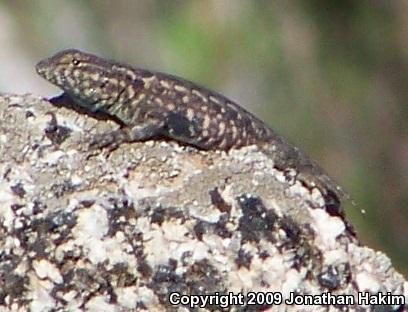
{"x":332,"y":76}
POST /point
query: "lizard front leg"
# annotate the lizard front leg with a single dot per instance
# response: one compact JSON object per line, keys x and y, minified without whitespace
{"x":140,"y":132}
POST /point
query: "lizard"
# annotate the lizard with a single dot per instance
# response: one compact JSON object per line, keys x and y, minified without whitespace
{"x":152,"y":105}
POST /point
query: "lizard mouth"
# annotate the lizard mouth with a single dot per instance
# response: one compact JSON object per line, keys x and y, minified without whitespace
{"x":46,"y":71}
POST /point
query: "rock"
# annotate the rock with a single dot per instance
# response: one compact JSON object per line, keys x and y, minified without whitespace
{"x":153,"y":222}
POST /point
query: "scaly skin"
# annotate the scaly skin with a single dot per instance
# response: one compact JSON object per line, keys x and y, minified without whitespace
{"x":151,"y":105}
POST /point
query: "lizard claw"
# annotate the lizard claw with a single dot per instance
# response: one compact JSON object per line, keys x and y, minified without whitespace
{"x":105,"y":141}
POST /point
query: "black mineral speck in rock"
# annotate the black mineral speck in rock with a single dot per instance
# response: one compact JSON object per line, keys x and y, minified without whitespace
{"x":256,"y":220}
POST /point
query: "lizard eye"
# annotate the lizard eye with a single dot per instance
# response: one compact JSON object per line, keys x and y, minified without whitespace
{"x":76,"y":62}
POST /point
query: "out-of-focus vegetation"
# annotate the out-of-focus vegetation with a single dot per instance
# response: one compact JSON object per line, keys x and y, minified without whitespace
{"x":332,"y":76}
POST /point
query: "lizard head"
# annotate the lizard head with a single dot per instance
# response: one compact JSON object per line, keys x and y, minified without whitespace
{"x":93,"y":82}
{"x":62,"y":68}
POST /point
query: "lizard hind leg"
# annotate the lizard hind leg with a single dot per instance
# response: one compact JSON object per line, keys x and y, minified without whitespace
{"x":179,"y":128}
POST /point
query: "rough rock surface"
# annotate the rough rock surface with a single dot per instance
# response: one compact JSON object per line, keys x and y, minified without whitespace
{"x":121,"y":231}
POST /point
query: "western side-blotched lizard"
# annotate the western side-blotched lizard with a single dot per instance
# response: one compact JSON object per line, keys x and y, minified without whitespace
{"x":150,"y":105}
